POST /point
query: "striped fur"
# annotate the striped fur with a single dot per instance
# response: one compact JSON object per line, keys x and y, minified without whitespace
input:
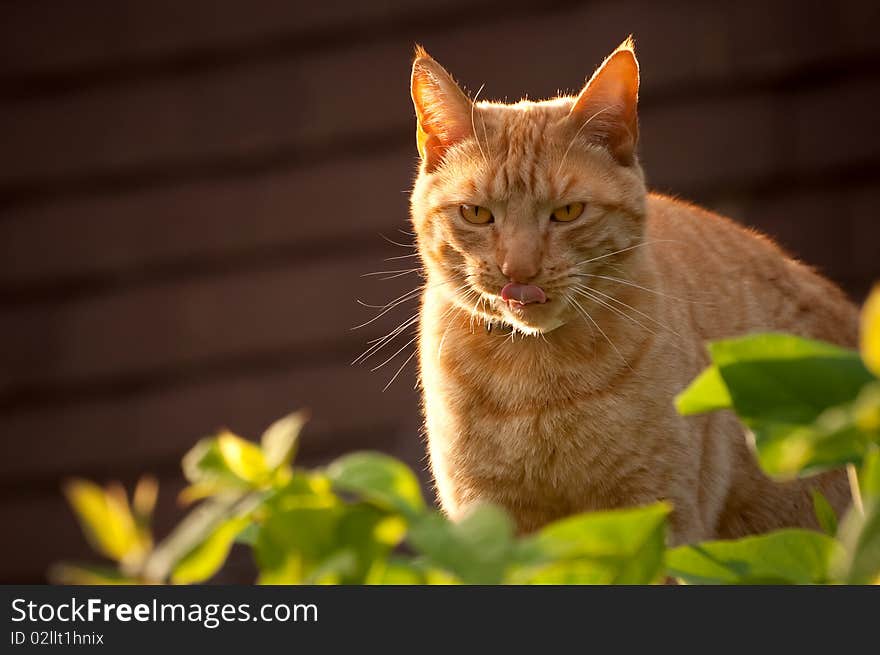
{"x":563,"y":408}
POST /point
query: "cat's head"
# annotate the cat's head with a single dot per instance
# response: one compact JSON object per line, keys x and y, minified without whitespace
{"x":516,"y":204}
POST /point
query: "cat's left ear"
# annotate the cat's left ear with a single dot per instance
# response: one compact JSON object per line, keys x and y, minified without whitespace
{"x":443,"y":111}
{"x":607,"y":105}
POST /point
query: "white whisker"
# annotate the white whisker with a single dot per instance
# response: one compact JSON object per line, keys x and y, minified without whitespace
{"x":617,"y":252}
{"x":443,"y":340}
{"x":614,"y":309}
{"x":389,"y":259}
{"x":595,"y":299}
{"x":638,"y":286}
{"x":577,"y":134}
{"x":396,"y":353}
{"x":586,"y":314}
{"x":397,"y":243}
{"x":380,"y":342}
{"x":397,"y":273}
{"x":412,"y":354}
{"x":474,"y":127}
{"x":620,"y":302}
{"x":409,"y":295}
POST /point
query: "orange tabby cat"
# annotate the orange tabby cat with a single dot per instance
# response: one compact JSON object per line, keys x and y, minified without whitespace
{"x":565,"y":306}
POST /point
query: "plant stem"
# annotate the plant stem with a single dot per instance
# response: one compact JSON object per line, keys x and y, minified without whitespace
{"x":854,"y":490}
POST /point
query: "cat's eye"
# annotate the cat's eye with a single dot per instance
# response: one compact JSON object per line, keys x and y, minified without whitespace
{"x":567,"y":213}
{"x":476,"y":214}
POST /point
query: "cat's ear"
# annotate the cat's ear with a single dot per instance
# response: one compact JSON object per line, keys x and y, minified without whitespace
{"x":607,"y":105}
{"x":442,"y":109}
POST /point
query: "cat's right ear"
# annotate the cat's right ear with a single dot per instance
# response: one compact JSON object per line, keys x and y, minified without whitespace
{"x":608,"y":103}
{"x":443,"y":111}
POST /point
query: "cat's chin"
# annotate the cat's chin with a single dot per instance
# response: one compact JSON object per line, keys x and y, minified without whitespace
{"x":533,"y":319}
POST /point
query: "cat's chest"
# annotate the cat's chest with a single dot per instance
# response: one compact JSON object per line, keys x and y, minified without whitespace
{"x":538,"y":428}
{"x":538,"y":458}
{"x":527,"y":425}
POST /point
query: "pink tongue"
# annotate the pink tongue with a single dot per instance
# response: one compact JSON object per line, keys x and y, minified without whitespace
{"x":524,"y":294}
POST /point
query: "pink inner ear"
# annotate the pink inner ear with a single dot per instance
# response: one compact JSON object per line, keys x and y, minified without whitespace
{"x":615,"y":83}
{"x":609,"y":102}
{"x":442,"y":108}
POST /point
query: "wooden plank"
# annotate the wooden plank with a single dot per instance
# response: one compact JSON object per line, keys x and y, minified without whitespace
{"x":45,"y":37}
{"x":681,"y":151}
{"x":856,"y":133}
{"x":149,"y":428}
{"x":680,"y":148}
{"x":247,"y":111}
{"x":814,"y":225}
{"x":157,"y":328}
{"x":686,"y":148}
{"x":205,"y":220}
{"x":830,"y":227}
{"x":866,"y":234}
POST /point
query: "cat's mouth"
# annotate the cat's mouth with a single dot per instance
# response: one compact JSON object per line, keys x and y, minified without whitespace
{"x":519,"y":295}
{"x":528,"y":308}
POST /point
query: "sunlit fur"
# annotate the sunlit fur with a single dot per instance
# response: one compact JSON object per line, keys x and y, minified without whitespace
{"x":567,"y":406}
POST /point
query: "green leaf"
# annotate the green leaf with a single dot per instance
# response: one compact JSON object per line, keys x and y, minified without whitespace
{"x":334,"y":569}
{"x":477,"y":549}
{"x":787,"y":379}
{"x":194,"y":529}
{"x":866,"y":412}
{"x":400,"y":571}
{"x":280,"y":440}
{"x":88,"y":574}
{"x":840,"y":435}
{"x":777,"y":377}
{"x":291,"y":543}
{"x":860,"y":533}
{"x":379,"y":479}
{"x":790,"y":556}
{"x":870,"y":331}
{"x":205,"y":467}
{"x":146,"y":493}
{"x":225,"y":461}
{"x":794,"y":394}
{"x":106,"y":520}
{"x":864,"y":566}
{"x":206,"y":559}
{"x":869,"y":476}
{"x":707,"y":393}
{"x":825,"y":514}
{"x":368,"y":534}
{"x":395,"y":571}
{"x":249,"y":535}
{"x":309,"y":536}
{"x":612,"y":547}
{"x":243,"y":458}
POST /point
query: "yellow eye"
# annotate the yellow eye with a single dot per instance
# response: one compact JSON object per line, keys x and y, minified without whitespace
{"x":568,"y":213}
{"x":476,"y":214}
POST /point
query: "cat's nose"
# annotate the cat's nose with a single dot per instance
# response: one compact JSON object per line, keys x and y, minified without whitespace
{"x":519,"y":271}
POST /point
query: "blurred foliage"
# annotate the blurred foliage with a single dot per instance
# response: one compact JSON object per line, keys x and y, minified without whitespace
{"x":363,"y":520}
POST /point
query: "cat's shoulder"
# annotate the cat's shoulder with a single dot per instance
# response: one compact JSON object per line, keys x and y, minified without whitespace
{"x":662,"y":207}
{"x":666,"y":214}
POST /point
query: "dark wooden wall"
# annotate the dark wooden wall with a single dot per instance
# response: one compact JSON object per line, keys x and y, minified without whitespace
{"x":190,"y":191}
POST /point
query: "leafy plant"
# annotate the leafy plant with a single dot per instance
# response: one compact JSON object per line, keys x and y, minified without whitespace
{"x":363,"y":520}
{"x":810,"y":406}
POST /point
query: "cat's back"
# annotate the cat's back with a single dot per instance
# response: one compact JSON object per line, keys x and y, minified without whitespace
{"x":724,"y":279}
